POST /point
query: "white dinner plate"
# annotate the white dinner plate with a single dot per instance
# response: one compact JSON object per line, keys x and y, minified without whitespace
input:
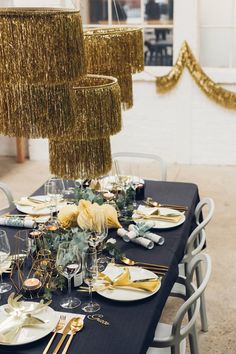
{"x":30,"y":210}
{"x":31,"y":334}
{"x":107,"y":183}
{"x":159,"y":224}
{"x":128,"y":294}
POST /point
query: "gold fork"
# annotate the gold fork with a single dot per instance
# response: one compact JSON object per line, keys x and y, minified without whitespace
{"x":59,"y":326}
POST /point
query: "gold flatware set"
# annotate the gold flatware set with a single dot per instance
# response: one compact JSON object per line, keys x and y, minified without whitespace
{"x":74,"y":325}
{"x":152,"y":203}
{"x":158,"y":269}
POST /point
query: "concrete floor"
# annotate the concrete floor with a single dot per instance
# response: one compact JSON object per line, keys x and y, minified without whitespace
{"x":214,"y":181}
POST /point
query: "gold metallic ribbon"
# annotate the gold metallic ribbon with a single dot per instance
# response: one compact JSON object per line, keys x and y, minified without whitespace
{"x":186,"y":59}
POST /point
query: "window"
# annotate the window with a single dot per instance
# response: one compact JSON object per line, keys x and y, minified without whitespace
{"x":218,"y":33}
{"x":155,"y":16}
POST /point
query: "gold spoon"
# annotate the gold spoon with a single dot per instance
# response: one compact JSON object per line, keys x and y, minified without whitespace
{"x":131,"y":262}
{"x":76,"y":325}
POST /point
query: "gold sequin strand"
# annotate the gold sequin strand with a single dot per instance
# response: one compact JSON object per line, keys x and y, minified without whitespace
{"x":77,"y":159}
{"x":117,"y":52}
{"x":97,"y":108}
{"x":41,"y":45}
{"x":214,"y":91}
{"x":35,"y":111}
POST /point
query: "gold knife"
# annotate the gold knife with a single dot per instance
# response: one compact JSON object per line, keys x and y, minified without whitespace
{"x":64,"y":334}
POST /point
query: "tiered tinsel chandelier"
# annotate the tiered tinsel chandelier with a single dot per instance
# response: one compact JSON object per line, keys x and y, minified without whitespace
{"x":45,"y":90}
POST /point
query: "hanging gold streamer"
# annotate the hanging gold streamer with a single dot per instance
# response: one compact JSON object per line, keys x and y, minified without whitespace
{"x":117,"y":52}
{"x":35,"y":111}
{"x":43,"y":45}
{"x":186,"y":59}
{"x":80,"y":159}
{"x":97,"y":108}
{"x":126,"y":89}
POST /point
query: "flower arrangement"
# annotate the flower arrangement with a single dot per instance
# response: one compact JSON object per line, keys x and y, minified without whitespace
{"x":88,"y":215}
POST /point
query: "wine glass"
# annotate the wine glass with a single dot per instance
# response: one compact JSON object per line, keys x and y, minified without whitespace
{"x":68,"y":263}
{"x":91,"y":270}
{"x":4,"y":254}
{"x":58,"y":189}
{"x":69,"y":191}
{"x":54,"y":189}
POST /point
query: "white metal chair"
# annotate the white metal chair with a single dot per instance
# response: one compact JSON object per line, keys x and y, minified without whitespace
{"x":129,"y":163}
{"x":5,"y":189}
{"x":171,"y":339}
{"x":194,"y":246}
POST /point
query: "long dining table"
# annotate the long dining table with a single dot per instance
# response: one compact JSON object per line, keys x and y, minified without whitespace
{"x":132,"y":323}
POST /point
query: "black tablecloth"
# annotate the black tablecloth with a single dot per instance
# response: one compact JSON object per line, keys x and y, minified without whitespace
{"x":132,"y":324}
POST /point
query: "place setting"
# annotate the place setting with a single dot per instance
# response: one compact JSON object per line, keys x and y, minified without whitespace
{"x":24,"y":322}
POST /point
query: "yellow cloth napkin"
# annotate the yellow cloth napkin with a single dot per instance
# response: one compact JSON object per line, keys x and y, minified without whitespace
{"x":155,"y":214}
{"x":124,"y":280}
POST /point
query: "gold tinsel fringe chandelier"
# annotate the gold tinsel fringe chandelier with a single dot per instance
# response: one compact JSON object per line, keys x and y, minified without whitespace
{"x":97,"y":108}
{"x":41,"y":55}
{"x":43,"y":45}
{"x":116,"y":51}
{"x":79,"y":159}
{"x":45,"y":90}
{"x":186,"y":59}
{"x":87,"y":146}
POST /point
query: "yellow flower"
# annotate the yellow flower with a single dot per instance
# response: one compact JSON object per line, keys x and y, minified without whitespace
{"x":67,"y":216}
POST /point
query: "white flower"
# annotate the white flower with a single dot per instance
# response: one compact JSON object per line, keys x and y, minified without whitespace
{"x":111,"y":240}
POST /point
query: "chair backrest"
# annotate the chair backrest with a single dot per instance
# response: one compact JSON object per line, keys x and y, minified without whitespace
{"x":139,"y":164}
{"x":192,"y":305}
{"x":197,"y":239}
{"x":9,"y":196}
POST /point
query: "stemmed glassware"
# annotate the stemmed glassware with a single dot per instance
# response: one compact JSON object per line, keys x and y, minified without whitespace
{"x":98,"y":231}
{"x":54,"y":189}
{"x":4,"y":254}
{"x":90,"y":269}
{"x":68,"y":263}
{"x":69,"y":191}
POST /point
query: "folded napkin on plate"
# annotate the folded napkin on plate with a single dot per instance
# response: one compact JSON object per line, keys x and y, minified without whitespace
{"x":34,"y":205}
{"x":19,"y":317}
{"x":148,"y":213}
{"x":124,"y":280}
{"x":14,"y":221}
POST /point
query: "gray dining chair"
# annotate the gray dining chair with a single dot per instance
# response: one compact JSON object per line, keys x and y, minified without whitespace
{"x":171,"y":338}
{"x":7,"y":193}
{"x":196,"y":242}
{"x":139,"y":164}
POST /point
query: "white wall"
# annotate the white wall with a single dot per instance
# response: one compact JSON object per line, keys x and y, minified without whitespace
{"x":182,"y":126}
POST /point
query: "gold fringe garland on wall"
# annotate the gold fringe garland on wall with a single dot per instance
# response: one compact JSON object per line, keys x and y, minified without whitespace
{"x":117,"y":52}
{"x":97,"y":108}
{"x":77,"y":159}
{"x":214,"y":91}
{"x":35,"y":111}
{"x":40,"y":45}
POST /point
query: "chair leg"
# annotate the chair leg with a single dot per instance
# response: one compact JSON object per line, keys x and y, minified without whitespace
{"x":193,"y":341}
{"x":203,"y":313}
{"x":175,"y":349}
